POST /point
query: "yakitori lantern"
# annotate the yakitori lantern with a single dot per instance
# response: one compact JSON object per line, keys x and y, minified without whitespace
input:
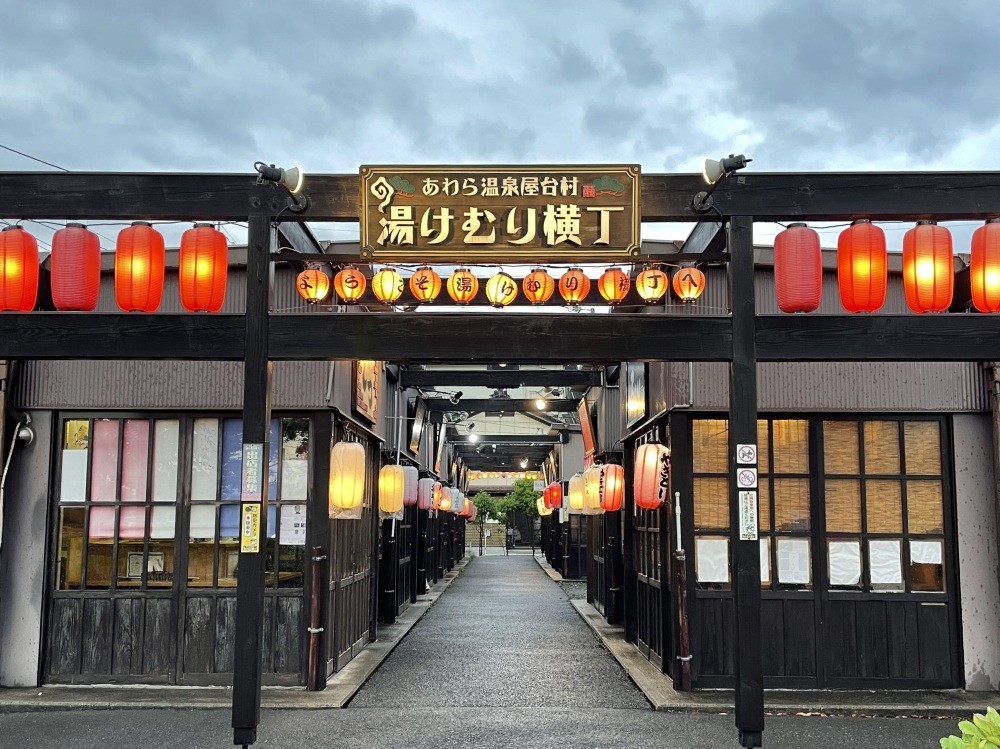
{"x":928,"y":267}
{"x":425,"y":494}
{"x":75,"y":265}
{"x":349,"y":284}
{"x":457,"y":501}
{"x":543,"y":511}
{"x":347,"y":480}
{"x":688,"y":284}
{"x":411,"y":485}
{"x":313,"y":285}
{"x":612,"y":487}
{"x":204,"y":262}
{"x":439,"y":493}
{"x":574,"y":286}
{"x":574,"y":496}
{"x":862,"y":267}
{"x":390,"y":489}
{"x":388,"y":285}
{"x":18,"y":270}
{"x":592,"y":490}
{"x":139,"y":267}
{"x":463,"y":286}
{"x":425,"y":285}
{"x":538,"y":286}
{"x":614,"y":284}
{"x":651,"y":284}
{"x":984,"y":268}
{"x":798,"y":269}
{"x":651,"y":476}
{"x":501,"y":290}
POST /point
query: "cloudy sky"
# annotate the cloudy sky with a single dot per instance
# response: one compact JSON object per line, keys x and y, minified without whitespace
{"x":214,"y":86}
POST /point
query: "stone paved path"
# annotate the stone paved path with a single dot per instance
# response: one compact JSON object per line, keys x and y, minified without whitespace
{"x":504,"y":635}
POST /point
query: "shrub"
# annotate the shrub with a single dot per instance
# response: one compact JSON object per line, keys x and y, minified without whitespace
{"x":982,"y":732}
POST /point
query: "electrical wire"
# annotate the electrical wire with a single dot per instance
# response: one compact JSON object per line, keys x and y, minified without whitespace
{"x":33,"y":158}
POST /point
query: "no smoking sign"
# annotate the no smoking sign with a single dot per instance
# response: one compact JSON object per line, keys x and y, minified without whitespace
{"x":746,"y":478}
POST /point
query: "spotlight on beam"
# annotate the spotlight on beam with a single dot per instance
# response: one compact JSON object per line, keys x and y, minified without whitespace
{"x":714,"y":171}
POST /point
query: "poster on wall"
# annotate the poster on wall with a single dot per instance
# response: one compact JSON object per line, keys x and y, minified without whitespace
{"x":367,"y":384}
{"x":635,"y":392}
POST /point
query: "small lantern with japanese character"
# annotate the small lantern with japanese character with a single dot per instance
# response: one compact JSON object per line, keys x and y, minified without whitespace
{"x":313,"y":285}
{"x":463,"y":286}
{"x":688,"y":284}
{"x":538,"y":286}
{"x":651,"y":284}
{"x":614,"y":284}
{"x":349,"y":284}
{"x":387,"y":285}
{"x":501,"y":290}
{"x":574,"y":286}
{"x":425,"y":285}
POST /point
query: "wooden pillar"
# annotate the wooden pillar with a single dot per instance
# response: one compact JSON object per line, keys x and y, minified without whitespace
{"x":742,"y":496}
{"x":253,"y":499}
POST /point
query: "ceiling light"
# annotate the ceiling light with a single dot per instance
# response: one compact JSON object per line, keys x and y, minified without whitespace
{"x":473,"y":437}
{"x":541,"y":403}
{"x":455,"y":398}
{"x":524,"y":463}
{"x":714,"y":171}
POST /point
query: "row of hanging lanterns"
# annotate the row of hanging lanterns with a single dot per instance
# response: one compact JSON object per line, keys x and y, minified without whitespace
{"x":862,"y":268}
{"x":425,"y":285}
{"x":75,"y":267}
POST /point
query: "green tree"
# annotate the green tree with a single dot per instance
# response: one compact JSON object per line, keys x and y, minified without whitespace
{"x":523,"y":498}
{"x":486,"y":505}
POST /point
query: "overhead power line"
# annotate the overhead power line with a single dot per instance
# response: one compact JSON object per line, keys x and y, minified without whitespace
{"x":29,"y":156}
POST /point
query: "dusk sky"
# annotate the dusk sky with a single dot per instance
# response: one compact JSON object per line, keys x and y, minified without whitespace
{"x":213,"y":86}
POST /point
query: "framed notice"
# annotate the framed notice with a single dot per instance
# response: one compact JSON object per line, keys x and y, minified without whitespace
{"x":367,"y":384}
{"x":635,"y":392}
{"x":586,"y":428}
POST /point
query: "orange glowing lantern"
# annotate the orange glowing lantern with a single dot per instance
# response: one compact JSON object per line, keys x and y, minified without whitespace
{"x":313,"y":285}
{"x":140,"y":259}
{"x":18,"y":270}
{"x":614,"y":284}
{"x":984,"y":268}
{"x":575,"y":494}
{"x":75,"y":268}
{"x":204,"y":262}
{"x":574,"y":286}
{"x":798,"y":269}
{"x":651,"y":479}
{"x":651,"y":284}
{"x":543,"y":511}
{"x":553,"y":495}
{"x":463,"y":286}
{"x":347,"y":480}
{"x":928,"y":267}
{"x":425,"y":285}
{"x":688,"y":284}
{"x":501,"y":290}
{"x":862,"y":267}
{"x":592,"y":483}
{"x":612,"y":487}
{"x":538,"y":286}
{"x":391,"y":487}
{"x":349,"y":284}
{"x":388,"y":285}
{"x":439,"y":494}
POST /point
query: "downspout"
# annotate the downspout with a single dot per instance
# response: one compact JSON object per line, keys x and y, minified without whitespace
{"x":22,"y":433}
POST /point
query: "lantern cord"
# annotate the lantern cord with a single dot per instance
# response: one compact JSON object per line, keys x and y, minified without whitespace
{"x":33,"y":158}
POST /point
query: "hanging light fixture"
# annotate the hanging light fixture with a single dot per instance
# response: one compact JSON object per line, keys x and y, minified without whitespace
{"x":614,"y":285}
{"x":347,"y":480}
{"x":555,"y":498}
{"x":75,"y":264}
{"x":612,"y":487}
{"x":575,"y":494}
{"x":651,"y":284}
{"x":425,"y":285}
{"x":688,"y":284}
{"x":18,"y":270}
{"x":411,"y":482}
{"x":798,"y":269}
{"x":538,"y":286}
{"x":462,"y":286}
{"x":501,"y":290}
{"x":446,"y":499}
{"x":204,"y":262}
{"x":928,"y":267}
{"x":457,"y":501}
{"x":438,"y":493}
{"x":651,"y":476}
{"x":140,"y":259}
{"x":425,"y":494}
{"x":592,"y":490}
{"x":984,"y":267}
{"x":349,"y":284}
{"x":313,"y":285}
{"x":387,"y":285}
{"x":862,"y":267}
{"x":574,"y":286}
{"x":390,"y":490}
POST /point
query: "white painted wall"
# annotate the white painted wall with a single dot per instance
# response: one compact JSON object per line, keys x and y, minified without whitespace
{"x":977,"y":551}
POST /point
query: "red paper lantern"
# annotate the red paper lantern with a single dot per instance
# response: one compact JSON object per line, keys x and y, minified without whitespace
{"x":798,"y":269}
{"x":651,"y":476}
{"x":651,"y":284}
{"x":463,"y":286}
{"x":76,"y":268}
{"x":204,"y":263}
{"x":349,"y":284}
{"x":538,"y":286}
{"x":614,"y":284}
{"x":612,"y":488}
{"x":984,"y":268}
{"x":139,"y":267}
{"x":552,"y":496}
{"x":574,"y":286}
{"x":862,"y":267}
{"x":313,"y":285}
{"x":928,"y":267}
{"x":688,"y":284}
{"x":425,"y":285}
{"x":18,"y":270}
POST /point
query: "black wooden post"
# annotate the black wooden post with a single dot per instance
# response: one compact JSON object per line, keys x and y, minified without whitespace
{"x":256,"y":449}
{"x":743,"y":431}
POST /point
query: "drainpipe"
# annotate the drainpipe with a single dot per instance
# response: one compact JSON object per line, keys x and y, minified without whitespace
{"x":22,"y":433}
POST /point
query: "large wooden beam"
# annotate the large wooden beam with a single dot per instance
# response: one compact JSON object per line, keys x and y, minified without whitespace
{"x":499,"y":380}
{"x":507,"y":439}
{"x":500,"y":405}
